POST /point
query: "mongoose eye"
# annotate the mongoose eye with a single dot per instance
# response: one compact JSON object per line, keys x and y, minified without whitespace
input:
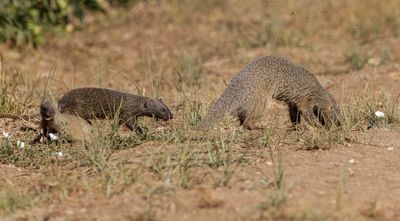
{"x":163,"y":110}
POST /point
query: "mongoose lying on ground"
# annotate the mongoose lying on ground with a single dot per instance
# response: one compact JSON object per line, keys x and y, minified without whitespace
{"x":249,"y":92}
{"x":67,"y":127}
{"x":101,"y":103}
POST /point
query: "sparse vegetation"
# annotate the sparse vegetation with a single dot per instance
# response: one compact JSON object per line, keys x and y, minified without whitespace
{"x":11,"y":200}
{"x":357,"y":56}
{"x":185,"y":52}
{"x":366,"y":25}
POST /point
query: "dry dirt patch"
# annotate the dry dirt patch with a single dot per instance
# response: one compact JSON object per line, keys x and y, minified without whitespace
{"x":186,"y":58}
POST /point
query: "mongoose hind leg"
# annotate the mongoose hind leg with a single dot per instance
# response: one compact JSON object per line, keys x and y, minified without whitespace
{"x":251,"y":112}
{"x":248,"y":122}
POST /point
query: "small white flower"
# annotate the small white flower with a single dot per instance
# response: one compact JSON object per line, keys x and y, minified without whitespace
{"x":390,"y":148}
{"x":379,"y":114}
{"x":6,"y":135}
{"x":20,"y":144}
{"x":351,"y":161}
{"x":59,"y":154}
{"x":53,"y":136}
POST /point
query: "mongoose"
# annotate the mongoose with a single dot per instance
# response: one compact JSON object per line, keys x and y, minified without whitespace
{"x":249,"y":92}
{"x":101,"y":103}
{"x":67,"y":127}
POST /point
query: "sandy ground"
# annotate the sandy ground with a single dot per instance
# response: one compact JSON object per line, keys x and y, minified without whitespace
{"x":135,"y":51}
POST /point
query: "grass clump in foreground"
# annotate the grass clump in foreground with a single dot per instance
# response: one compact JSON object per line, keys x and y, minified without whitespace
{"x":360,"y":112}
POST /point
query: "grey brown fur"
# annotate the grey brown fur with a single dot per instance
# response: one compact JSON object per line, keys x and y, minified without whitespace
{"x":272,"y":77}
{"x":101,"y":103}
{"x":67,"y":127}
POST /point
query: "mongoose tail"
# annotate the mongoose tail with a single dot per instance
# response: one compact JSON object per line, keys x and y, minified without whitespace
{"x":35,"y":118}
{"x":271,"y":77}
{"x":21,"y":117}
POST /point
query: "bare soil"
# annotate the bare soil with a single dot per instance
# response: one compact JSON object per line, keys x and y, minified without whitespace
{"x":139,"y":51}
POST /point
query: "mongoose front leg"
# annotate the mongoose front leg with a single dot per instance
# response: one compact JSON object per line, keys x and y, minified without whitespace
{"x":311,"y":118}
{"x":37,"y":139}
{"x":250,"y":123}
{"x":132,"y":125}
{"x":294,"y":114}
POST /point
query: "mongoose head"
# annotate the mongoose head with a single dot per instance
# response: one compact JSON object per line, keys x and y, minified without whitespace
{"x":157,"y":109}
{"x":327,"y":111}
{"x":47,"y":110}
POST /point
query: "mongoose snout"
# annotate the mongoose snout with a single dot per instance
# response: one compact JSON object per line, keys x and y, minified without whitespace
{"x":47,"y":110}
{"x":157,"y":109}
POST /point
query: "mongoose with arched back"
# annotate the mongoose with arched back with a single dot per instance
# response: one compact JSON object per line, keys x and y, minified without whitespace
{"x":272,"y":77}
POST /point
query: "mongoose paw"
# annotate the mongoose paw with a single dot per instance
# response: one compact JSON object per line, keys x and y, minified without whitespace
{"x":293,"y":127}
{"x":139,"y":130}
{"x":40,"y":138}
